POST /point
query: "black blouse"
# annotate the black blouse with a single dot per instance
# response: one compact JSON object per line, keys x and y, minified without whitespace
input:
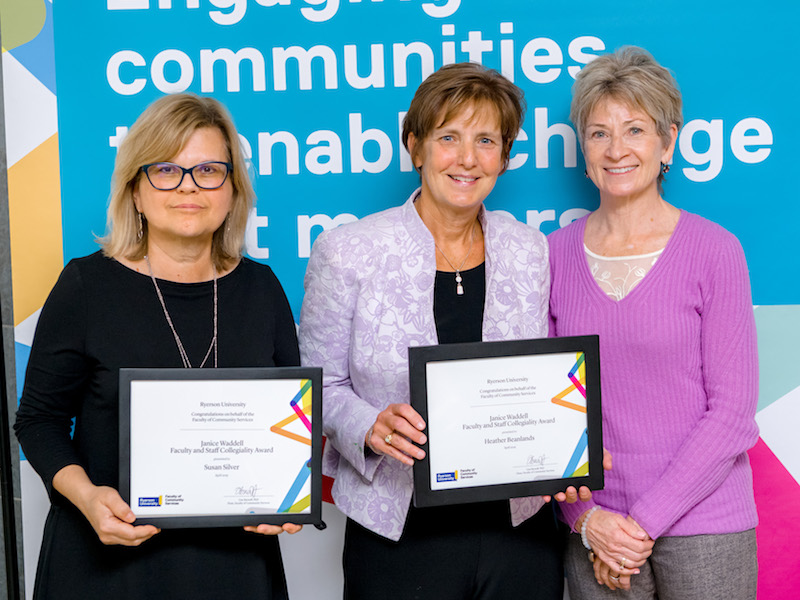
{"x":459,"y":318}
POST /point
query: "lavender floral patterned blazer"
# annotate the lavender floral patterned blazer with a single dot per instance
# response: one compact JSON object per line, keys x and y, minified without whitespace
{"x":368,"y":297}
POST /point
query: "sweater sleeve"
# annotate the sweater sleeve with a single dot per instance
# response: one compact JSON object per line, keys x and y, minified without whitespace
{"x":730,"y":374}
{"x":557,"y":250}
{"x":58,"y":370}
{"x":544,"y":300}
{"x":331,"y":293}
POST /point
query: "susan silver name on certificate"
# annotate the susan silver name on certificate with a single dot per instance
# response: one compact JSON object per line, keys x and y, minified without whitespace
{"x":220,"y":447}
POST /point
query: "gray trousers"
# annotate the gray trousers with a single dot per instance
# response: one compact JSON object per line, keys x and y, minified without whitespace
{"x":695,"y":567}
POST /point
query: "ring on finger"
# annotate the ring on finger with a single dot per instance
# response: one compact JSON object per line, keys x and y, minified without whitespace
{"x":388,"y":439}
{"x":622,"y":563}
{"x":614,"y":578}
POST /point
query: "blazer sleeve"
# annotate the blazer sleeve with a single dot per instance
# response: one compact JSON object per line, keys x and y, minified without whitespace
{"x":326,"y":335}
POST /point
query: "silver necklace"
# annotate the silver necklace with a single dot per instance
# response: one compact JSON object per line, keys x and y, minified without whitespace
{"x":181,"y":349}
{"x":459,"y":287}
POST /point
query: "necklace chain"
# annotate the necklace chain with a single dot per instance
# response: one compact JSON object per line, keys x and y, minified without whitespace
{"x":181,"y":350}
{"x":459,"y":287}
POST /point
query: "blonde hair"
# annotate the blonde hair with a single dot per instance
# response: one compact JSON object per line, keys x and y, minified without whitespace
{"x":451,"y":89}
{"x":632,"y":77}
{"x":160,"y":133}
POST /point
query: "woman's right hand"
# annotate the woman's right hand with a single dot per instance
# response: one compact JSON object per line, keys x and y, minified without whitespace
{"x":619,"y":542}
{"x":405,"y":426}
{"x":112,"y":518}
{"x":108,"y":514}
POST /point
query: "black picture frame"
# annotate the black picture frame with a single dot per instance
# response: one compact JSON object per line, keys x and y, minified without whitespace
{"x":313,"y":515}
{"x":419,"y":359}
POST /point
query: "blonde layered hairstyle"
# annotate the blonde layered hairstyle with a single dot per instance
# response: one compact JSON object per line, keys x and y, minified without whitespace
{"x":160,"y":133}
{"x":630,"y":76}
{"x":454,"y":88}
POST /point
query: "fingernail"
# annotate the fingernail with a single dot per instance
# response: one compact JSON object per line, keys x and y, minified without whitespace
{"x":423,"y":439}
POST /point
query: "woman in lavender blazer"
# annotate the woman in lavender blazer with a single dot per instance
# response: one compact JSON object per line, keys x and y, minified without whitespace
{"x":438,"y":269}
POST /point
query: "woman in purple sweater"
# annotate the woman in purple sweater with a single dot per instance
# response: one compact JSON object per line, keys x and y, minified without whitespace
{"x":669,"y":295}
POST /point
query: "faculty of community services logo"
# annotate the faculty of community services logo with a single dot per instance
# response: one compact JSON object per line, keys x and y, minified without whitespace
{"x":452,"y":476}
{"x":150,"y":501}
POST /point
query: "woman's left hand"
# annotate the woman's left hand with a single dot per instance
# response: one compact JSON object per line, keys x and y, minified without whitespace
{"x":265,"y":529}
{"x":584,"y":494}
{"x":605,"y":576}
{"x":571,"y":495}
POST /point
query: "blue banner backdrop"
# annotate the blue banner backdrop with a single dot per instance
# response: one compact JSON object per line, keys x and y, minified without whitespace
{"x":318,"y":89}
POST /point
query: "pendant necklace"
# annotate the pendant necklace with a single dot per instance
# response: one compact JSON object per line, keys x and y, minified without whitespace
{"x":178,"y":343}
{"x":459,"y":287}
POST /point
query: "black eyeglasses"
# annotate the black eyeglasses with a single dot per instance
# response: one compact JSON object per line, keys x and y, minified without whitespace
{"x":167,"y":176}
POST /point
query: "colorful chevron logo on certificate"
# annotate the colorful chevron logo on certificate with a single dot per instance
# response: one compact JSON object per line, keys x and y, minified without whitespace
{"x":573,"y":397}
{"x":298,"y":420}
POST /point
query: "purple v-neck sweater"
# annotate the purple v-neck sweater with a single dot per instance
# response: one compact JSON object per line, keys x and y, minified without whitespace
{"x":679,"y":378}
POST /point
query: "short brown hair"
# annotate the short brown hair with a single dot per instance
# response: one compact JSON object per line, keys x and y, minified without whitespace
{"x":451,"y":89}
{"x":633,"y":77}
{"x":160,"y":133}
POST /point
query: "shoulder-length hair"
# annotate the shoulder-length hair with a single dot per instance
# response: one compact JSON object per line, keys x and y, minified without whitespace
{"x":160,"y":133}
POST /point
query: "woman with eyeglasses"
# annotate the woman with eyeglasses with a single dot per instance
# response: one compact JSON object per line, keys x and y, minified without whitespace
{"x":169,"y":289}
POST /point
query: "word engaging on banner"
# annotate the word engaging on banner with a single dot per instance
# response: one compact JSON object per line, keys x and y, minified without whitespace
{"x":319,"y":90}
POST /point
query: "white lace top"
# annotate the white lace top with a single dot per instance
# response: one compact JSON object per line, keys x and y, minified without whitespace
{"x":618,"y":275}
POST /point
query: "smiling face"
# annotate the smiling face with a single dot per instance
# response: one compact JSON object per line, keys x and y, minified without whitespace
{"x":624,"y":152}
{"x":187,"y":212}
{"x":459,"y":161}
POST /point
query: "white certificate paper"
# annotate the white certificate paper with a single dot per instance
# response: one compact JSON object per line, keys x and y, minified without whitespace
{"x":220,"y":447}
{"x":500,"y":423}
{"x":507,"y":419}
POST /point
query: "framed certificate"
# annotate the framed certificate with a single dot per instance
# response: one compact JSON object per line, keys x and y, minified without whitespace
{"x":507,"y":419}
{"x":221,"y":447}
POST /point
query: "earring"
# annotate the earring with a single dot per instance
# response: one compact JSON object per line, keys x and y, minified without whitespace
{"x":140,"y":233}
{"x":664,"y":168}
